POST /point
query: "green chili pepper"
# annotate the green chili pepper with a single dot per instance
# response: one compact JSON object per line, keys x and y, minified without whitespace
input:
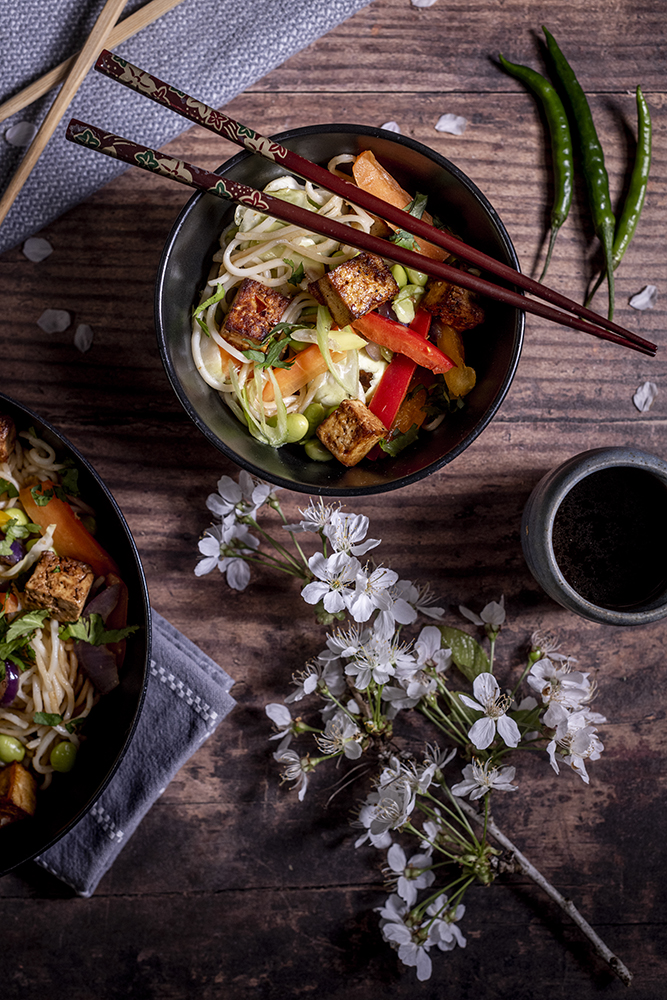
{"x":634,"y":200}
{"x":592,"y":158}
{"x":561,"y":145}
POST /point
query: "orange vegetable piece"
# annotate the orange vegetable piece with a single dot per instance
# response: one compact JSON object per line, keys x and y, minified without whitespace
{"x":461,"y":379}
{"x":372,"y":177}
{"x":71,"y":538}
{"x":308,"y":364}
{"x":410,"y":412}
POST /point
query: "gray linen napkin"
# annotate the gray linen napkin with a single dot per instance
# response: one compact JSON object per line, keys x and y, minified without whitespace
{"x":186,"y":698}
{"x":212,"y":49}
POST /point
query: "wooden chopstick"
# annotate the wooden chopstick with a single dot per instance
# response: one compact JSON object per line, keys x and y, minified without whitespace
{"x":80,"y":67}
{"x":121,"y":32}
{"x":193,"y":176}
{"x":195,"y":111}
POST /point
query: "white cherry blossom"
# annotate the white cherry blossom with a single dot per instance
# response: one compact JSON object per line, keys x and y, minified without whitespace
{"x":494,"y":706}
{"x":410,"y":875}
{"x":335,"y":578}
{"x":478,"y":779}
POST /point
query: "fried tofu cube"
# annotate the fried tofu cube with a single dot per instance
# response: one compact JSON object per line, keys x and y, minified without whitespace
{"x":7,"y":436}
{"x":354,"y":288}
{"x":455,"y":306}
{"x":351,"y":431}
{"x":252,"y":315}
{"x":60,"y":586}
{"x":18,"y":794}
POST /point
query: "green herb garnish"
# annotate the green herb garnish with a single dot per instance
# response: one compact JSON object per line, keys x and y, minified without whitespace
{"x":8,"y":489}
{"x":90,"y":629}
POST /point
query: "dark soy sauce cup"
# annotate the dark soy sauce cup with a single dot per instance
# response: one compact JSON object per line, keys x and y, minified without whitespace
{"x":594,"y":535}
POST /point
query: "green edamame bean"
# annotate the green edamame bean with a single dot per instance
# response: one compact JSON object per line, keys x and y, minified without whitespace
{"x":561,"y":145}
{"x":63,"y":756}
{"x":297,"y":427}
{"x":416,"y":277}
{"x":316,"y":451}
{"x":592,"y":159}
{"x":314,"y":414}
{"x":400,"y":275}
{"x":11,"y":749}
{"x":17,"y":515}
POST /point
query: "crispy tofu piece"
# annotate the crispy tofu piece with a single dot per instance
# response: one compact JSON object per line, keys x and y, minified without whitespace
{"x":351,"y":431}
{"x":7,"y":436}
{"x":18,"y":794}
{"x":354,"y":288}
{"x":254,"y":312}
{"x":59,"y":585}
{"x":455,"y":306}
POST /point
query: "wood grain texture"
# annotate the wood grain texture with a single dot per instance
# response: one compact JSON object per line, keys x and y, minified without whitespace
{"x":230,"y":888}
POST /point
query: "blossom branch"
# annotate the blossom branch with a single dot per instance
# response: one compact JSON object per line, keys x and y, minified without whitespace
{"x":567,"y":905}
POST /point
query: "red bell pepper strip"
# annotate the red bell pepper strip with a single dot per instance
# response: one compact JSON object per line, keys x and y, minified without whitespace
{"x":395,"y":382}
{"x":398,"y":338}
{"x":71,"y":539}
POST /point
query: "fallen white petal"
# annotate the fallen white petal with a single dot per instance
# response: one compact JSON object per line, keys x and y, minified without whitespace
{"x":645,"y":299}
{"x":454,"y":124}
{"x":645,"y":396}
{"x":83,"y":338}
{"x":422,"y":3}
{"x":391,"y":127}
{"x":21,"y":133}
{"x":36,"y":249}
{"x":54,"y":320}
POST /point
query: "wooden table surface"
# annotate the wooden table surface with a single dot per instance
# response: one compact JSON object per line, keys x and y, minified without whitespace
{"x":230,"y":887}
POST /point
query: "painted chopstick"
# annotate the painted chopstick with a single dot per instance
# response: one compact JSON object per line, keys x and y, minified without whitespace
{"x":139,"y":80}
{"x":193,"y":176}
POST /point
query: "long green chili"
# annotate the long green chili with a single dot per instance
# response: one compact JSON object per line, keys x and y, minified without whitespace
{"x":634,"y":200}
{"x":592,"y":158}
{"x":561,"y":145}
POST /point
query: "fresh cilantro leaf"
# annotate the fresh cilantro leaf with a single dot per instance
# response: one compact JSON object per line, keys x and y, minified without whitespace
{"x":417,"y":206}
{"x":74,"y":723}
{"x":396,"y":444}
{"x":297,"y":272}
{"x":8,"y":489}
{"x":47,"y":719}
{"x":90,"y":629}
{"x":13,"y":531}
{"x":69,"y":478}
{"x":271,"y":357}
{"x":40,"y":496}
{"x":403,"y":239}
{"x":25,"y":625}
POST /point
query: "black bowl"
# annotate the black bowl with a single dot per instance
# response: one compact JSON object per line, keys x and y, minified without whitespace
{"x":112,"y":721}
{"x":493,"y":349}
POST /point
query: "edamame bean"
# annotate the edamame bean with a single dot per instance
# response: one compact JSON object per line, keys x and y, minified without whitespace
{"x":11,"y":749}
{"x":297,"y":427}
{"x":416,"y":277}
{"x":316,"y":451}
{"x":15,"y":514}
{"x":399,"y":274}
{"x":63,"y":756}
{"x":314,"y":414}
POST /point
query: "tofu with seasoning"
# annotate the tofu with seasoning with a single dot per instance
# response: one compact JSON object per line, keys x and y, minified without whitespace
{"x":354,"y":288}
{"x":350,"y":431}
{"x":18,"y":794}
{"x":252,"y":315}
{"x":452,"y":305}
{"x":7,"y":436}
{"x":59,"y":586}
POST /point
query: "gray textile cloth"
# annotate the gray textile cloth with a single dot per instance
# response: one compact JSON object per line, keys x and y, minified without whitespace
{"x":211,"y":49}
{"x":186,"y":698}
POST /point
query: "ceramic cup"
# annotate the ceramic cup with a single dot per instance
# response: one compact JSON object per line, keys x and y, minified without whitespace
{"x":594,"y":535}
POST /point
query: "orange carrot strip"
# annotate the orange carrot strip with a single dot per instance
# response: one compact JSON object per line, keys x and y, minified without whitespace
{"x":308,"y":364}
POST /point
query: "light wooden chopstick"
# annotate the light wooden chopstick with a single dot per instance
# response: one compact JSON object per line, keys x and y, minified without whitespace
{"x":82,"y":63}
{"x":121,"y":32}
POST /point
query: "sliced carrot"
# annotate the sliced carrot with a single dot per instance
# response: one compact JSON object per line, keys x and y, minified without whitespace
{"x":9,"y":602}
{"x":71,"y":539}
{"x":372,"y":177}
{"x":308,"y":364}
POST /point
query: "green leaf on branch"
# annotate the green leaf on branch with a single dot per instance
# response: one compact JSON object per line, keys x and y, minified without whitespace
{"x":467,"y":654}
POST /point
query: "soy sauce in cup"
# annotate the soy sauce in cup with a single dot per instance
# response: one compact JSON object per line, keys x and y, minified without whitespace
{"x":610,"y":537}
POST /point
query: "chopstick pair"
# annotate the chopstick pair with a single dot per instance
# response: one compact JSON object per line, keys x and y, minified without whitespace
{"x":577,"y":317}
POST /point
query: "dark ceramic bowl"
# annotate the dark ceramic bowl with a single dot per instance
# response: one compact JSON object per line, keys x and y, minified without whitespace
{"x":112,"y":721}
{"x":493,"y":349}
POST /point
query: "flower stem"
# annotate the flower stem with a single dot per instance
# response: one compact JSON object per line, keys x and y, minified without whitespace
{"x":567,"y":905}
